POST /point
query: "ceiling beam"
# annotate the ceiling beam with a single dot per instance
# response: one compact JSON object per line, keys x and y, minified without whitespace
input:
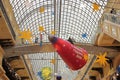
{"x":47,"y":47}
{"x":6,"y":21}
{"x":7,"y":37}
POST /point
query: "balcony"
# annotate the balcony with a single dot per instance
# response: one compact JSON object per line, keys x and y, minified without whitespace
{"x":114,"y":18}
{"x":111,"y":25}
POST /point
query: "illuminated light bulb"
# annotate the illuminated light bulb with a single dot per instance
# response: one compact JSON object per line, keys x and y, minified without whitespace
{"x":76,"y":61}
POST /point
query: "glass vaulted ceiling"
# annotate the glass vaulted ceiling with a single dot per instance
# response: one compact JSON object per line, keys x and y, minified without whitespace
{"x":75,"y":18}
{"x":70,"y":18}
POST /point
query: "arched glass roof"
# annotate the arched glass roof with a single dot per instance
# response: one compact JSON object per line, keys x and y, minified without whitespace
{"x":69,"y":18}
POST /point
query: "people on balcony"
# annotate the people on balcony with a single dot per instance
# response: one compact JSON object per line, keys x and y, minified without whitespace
{"x":113,"y":11}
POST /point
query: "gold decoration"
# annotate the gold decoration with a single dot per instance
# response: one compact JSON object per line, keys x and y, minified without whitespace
{"x":41,"y":28}
{"x":25,"y":35}
{"x":102,"y":60}
{"x":53,"y":32}
{"x":42,"y":9}
{"x":95,"y":7}
{"x":53,"y":61}
{"x":85,"y":57}
{"x":46,"y":73}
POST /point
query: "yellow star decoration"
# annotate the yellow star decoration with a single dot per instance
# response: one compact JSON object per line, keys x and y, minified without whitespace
{"x":42,"y":9}
{"x":26,"y":35}
{"x":102,"y":60}
{"x":46,"y":73}
{"x":85,"y":57}
{"x":95,"y":7}
{"x":53,"y":32}
{"x":53,"y":61}
{"x":41,"y":28}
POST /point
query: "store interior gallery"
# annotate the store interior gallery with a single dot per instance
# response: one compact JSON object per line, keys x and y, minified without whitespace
{"x":59,"y":39}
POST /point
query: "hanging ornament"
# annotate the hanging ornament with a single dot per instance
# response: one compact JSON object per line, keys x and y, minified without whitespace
{"x":41,"y":28}
{"x":53,"y":32}
{"x":42,"y":9}
{"x":95,"y":7}
{"x":101,"y":59}
{"x":84,"y":35}
{"x":74,"y":57}
{"x":46,"y":73}
{"x":53,"y":61}
{"x":26,"y":35}
{"x":40,"y":39}
{"x":40,"y":74}
{"x":58,"y":77}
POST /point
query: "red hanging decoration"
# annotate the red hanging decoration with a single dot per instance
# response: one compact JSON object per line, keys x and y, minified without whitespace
{"x":74,"y":57}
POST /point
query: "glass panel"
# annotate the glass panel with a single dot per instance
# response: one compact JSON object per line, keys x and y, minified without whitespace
{"x":83,"y":20}
{"x":28,"y":15}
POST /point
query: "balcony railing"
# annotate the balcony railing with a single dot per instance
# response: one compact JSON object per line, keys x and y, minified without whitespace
{"x":111,"y":25}
{"x":115,"y":18}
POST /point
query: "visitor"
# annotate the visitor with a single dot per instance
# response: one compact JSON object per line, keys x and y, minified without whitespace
{"x":113,"y":11}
